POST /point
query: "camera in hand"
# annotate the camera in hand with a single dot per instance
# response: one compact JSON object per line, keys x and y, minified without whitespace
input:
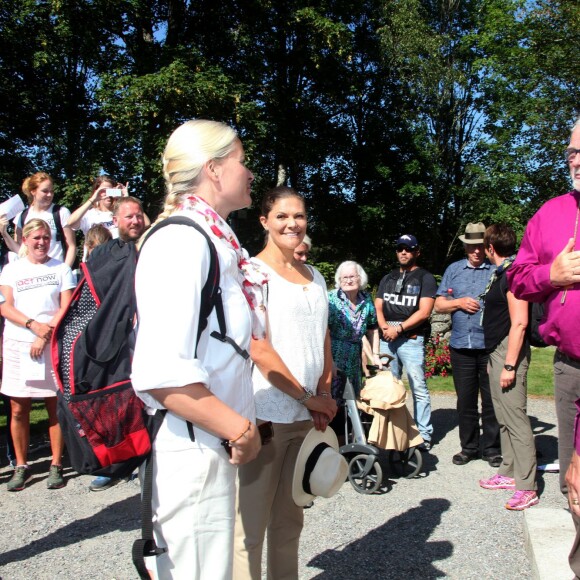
{"x":113,"y":192}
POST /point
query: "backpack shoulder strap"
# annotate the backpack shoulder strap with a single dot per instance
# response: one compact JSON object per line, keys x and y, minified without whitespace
{"x":146,"y":547}
{"x":211,"y":294}
{"x":57,"y":223}
{"x":60,"y":238}
{"x":22,"y":219}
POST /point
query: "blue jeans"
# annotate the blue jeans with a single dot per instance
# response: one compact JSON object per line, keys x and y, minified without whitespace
{"x":410,"y":353}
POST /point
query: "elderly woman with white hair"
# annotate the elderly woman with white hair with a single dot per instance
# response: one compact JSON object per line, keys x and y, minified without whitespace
{"x":352,"y":315}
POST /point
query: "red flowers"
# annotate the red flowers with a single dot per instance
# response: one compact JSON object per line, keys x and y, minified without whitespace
{"x":437,"y":358}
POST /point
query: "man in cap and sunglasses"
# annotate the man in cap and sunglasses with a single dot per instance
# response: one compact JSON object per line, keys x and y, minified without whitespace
{"x":458,"y":294}
{"x":404,"y":303}
{"x":547,"y":270}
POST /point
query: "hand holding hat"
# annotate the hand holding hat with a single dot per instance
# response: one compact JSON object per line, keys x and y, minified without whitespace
{"x":320,"y":469}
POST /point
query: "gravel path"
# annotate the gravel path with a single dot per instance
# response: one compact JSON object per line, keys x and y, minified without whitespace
{"x":439,"y":525}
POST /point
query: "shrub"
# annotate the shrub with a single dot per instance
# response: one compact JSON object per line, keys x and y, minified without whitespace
{"x":327,"y":270}
{"x":437,"y":358}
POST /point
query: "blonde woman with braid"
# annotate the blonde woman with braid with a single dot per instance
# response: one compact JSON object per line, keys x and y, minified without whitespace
{"x":37,"y":290}
{"x":207,"y":391}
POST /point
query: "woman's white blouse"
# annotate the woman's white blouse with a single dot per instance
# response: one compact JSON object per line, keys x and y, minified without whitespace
{"x":171,"y":273}
{"x":297,"y":323}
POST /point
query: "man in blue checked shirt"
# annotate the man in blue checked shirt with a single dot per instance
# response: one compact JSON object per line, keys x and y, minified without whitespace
{"x":458,"y":294}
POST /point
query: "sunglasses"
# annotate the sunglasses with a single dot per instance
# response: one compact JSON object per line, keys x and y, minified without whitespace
{"x":405,"y":249}
{"x":400,"y":282}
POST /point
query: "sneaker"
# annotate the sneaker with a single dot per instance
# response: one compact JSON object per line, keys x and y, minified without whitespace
{"x":55,"y":479}
{"x":425,"y":446}
{"x":19,"y":478}
{"x":522,"y":499}
{"x":101,"y":483}
{"x":498,"y":482}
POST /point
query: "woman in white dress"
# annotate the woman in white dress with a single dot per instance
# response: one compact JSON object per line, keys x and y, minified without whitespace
{"x":292,"y":377}
{"x":37,"y":290}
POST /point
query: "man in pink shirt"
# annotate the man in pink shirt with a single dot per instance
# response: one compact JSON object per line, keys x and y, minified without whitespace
{"x":547,"y":269}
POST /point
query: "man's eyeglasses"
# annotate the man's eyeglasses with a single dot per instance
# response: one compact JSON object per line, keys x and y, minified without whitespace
{"x":349,"y":278}
{"x":571,"y":152}
{"x":405,"y":249}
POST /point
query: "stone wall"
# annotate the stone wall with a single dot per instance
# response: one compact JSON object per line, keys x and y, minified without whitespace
{"x":441,"y":325}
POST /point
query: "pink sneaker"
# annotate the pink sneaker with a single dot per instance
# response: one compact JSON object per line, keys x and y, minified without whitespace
{"x":522,"y":499}
{"x":498,"y":482}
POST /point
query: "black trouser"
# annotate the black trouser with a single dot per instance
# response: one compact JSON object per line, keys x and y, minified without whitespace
{"x":470,"y":379}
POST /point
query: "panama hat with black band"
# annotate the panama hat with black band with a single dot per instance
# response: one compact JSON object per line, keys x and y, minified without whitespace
{"x":473,"y":233}
{"x":320,"y":469}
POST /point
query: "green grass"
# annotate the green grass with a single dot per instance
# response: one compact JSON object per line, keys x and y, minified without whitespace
{"x":38,"y":419}
{"x":540,"y":375}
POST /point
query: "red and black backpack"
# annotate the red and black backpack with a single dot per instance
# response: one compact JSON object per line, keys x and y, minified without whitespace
{"x":105,"y":427}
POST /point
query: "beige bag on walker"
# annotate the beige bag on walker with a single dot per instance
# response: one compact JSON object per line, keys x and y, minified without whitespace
{"x":384,"y":397}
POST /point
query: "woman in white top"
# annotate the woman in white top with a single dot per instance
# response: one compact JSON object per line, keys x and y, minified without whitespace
{"x":208,"y":385}
{"x":37,"y":290}
{"x":39,"y":190}
{"x":98,"y":209}
{"x":292,"y":376}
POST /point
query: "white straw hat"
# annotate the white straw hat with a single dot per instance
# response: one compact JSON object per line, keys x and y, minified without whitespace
{"x":320,"y":469}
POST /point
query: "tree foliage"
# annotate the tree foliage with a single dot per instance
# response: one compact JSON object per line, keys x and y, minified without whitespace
{"x":390,"y":116}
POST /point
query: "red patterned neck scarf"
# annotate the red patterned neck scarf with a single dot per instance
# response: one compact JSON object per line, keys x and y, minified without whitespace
{"x":250,"y":277}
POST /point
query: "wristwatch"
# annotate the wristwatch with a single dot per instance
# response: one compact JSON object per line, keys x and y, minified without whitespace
{"x":509,"y":367}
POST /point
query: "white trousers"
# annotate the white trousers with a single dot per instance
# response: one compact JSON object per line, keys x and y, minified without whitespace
{"x":193,"y":514}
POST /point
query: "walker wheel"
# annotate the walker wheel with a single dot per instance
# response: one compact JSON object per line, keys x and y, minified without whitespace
{"x":407,"y":463}
{"x":365,"y":474}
